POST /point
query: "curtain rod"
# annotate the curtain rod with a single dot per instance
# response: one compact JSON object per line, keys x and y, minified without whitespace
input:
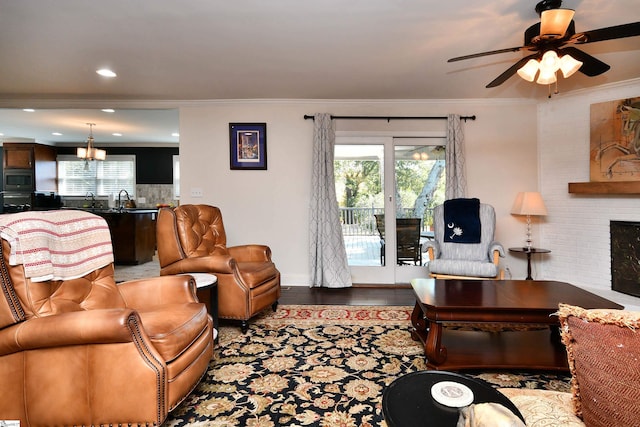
{"x":387,"y":118}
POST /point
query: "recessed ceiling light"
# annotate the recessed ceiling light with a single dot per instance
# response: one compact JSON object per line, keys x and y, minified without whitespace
{"x":116,"y":134}
{"x":175,"y":134}
{"x":105,"y":72}
{"x":56,"y":134}
{"x":108,"y":110}
{"x":28,"y":110}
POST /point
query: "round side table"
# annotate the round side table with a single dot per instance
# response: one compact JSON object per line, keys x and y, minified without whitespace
{"x":407,"y":401}
{"x":207,"y":281}
{"x":529,"y":251}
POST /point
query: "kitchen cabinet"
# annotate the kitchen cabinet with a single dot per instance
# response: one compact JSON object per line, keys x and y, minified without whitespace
{"x":133,"y":234}
{"x":38,"y":158}
{"x":18,"y":157}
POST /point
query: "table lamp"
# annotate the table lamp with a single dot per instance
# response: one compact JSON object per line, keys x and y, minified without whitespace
{"x":529,"y":203}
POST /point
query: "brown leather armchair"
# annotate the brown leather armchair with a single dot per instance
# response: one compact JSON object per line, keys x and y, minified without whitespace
{"x":86,"y":351}
{"x":192,"y":239}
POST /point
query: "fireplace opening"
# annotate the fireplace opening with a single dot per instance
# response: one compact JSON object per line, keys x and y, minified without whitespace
{"x":625,"y":257}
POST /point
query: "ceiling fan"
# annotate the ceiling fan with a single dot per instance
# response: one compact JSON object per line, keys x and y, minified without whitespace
{"x":548,"y":40}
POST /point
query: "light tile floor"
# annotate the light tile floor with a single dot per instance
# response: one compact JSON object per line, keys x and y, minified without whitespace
{"x":131,"y":272}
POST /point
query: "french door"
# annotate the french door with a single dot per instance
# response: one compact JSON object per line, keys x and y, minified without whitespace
{"x":386,"y":188}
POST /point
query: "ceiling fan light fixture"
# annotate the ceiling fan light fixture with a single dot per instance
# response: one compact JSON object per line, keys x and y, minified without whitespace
{"x":554,"y":22}
{"x":547,"y":40}
{"x":529,"y":70}
{"x":546,"y":77}
{"x":550,"y":62}
{"x":569,"y":65}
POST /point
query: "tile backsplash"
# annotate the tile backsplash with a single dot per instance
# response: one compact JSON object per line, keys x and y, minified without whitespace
{"x":155,"y":194}
{"x":152,"y":194}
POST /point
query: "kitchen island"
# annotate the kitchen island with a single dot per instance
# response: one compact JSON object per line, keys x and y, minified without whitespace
{"x":133,"y":233}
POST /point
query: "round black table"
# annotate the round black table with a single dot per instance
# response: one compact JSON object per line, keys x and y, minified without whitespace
{"x":407,"y":401}
{"x":529,"y":250}
{"x":204,"y":282}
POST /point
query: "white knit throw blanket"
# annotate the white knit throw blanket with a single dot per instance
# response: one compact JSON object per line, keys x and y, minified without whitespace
{"x":57,"y":245}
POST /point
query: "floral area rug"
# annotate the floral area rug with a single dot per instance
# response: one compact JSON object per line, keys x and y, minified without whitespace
{"x":319,"y":366}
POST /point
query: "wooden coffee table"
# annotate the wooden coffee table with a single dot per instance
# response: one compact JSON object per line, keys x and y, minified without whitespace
{"x":520,"y":302}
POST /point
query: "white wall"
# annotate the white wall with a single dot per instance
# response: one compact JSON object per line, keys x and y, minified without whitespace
{"x":577,"y":227}
{"x":271,"y":206}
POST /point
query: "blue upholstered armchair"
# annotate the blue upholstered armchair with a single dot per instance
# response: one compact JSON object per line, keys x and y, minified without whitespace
{"x":471,"y":259}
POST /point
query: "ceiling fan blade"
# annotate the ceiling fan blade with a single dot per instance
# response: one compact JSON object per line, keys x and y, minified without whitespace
{"x":609,"y":33}
{"x":510,"y":72}
{"x":591,"y":66}
{"x":492,"y":52}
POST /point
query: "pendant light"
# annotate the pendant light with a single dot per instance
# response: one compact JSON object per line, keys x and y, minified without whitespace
{"x":90,"y":152}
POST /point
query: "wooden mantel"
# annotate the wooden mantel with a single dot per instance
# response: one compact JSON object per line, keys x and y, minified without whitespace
{"x":613,"y":187}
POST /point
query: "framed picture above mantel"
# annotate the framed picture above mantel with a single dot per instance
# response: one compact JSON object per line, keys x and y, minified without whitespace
{"x":615,"y":141}
{"x":614,"y":155}
{"x":248,"y":146}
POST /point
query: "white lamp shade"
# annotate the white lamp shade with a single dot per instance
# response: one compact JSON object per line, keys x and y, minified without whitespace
{"x":546,"y":77}
{"x":550,"y":62}
{"x":99,"y":154}
{"x":554,"y":22}
{"x":528,"y":203}
{"x":90,"y":152}
{"x":569,"y":65}
{"x":529,"y":70}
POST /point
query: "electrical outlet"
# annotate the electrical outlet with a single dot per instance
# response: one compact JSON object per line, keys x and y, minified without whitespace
{"x":196,"y":192}
{"x":141,"y":200}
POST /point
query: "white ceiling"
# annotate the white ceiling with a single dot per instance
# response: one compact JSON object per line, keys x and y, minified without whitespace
{"x":136,"y":127}
{"x":279,"y":49}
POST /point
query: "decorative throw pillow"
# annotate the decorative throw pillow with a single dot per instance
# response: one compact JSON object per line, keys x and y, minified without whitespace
{"x":603,"y":348}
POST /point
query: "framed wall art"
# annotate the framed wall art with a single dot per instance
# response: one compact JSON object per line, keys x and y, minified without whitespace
{"x":615,"y":140}
{"x":248,"y":146}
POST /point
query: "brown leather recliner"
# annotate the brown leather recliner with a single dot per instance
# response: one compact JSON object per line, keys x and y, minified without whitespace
{"x":86,"y":351}
{"x":191,"y":239}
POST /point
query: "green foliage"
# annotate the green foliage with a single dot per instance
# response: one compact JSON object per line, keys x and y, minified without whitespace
{"x":411,"y":176}
{"x":357,"y":181}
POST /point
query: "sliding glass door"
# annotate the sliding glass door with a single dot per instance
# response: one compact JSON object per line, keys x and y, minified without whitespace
{"x":386,"y":190}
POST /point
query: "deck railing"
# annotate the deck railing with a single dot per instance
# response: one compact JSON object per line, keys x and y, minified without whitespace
{"x":362,"y":222}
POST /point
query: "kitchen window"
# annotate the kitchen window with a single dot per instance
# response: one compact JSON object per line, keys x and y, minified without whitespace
{"x":77,"y":177}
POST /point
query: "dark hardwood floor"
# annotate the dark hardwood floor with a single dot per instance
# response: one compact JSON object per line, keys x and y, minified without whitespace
{"x":355,"y":295}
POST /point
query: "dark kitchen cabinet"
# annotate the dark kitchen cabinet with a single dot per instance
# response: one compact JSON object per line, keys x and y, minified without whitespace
{"x":38,"y":158}
{"x":133,"y":234}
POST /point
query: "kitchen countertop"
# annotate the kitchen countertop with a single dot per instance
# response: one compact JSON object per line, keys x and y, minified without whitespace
{"x":115,"y":210}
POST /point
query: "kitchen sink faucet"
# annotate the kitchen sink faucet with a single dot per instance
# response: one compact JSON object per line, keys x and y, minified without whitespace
{"x":120,"y":204}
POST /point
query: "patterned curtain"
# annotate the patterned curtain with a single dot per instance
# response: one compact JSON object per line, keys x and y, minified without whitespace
{"x":456,"y":180}
{"x":329,"y":266}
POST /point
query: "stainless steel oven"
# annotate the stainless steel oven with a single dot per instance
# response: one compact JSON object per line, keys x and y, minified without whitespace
{"x":18,"y":180}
